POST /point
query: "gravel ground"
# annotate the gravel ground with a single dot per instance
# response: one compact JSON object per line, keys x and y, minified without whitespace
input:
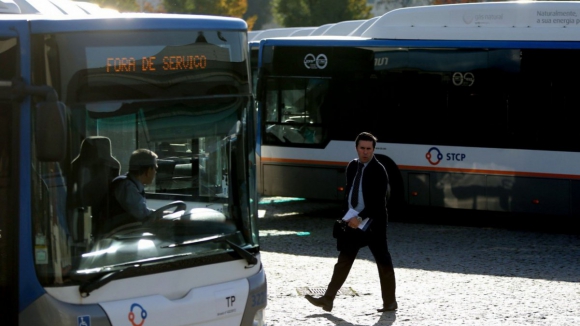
{"x":446,"y":274}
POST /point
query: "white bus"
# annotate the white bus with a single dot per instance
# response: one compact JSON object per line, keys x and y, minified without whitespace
{"x":472,"y":104}
{"x":78,"y":94}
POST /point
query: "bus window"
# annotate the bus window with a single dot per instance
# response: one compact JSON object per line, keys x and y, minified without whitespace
{"x":550,"y":87}
{"x":294,"y":111}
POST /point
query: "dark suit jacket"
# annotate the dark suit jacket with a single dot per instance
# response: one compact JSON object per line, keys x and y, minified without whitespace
{"x":375,"y":183}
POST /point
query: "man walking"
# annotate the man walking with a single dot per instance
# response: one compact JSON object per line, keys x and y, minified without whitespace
{"x":366,"y":188}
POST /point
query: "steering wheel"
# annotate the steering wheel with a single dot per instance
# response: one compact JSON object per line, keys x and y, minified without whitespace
{"x":158,"y":214}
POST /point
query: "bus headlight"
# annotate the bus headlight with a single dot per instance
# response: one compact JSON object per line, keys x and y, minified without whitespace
{"x":259,"y":318}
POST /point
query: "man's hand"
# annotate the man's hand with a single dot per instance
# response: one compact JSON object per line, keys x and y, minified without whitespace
{"x":354,"y":222}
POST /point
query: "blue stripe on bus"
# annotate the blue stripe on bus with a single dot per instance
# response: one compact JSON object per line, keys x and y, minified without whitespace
{"x":422,"y":43}
{"x":29,"y":288}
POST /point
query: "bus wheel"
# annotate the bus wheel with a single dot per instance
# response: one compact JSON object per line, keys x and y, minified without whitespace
{"x":396,"y":194}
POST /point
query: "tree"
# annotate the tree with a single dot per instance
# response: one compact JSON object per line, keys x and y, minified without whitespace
{"x":259,"y":13}
{"x":120,"y":5}
{"x":299,"y":13}
{"x":230,"y":8}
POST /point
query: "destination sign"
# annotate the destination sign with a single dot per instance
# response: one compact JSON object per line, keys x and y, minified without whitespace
{"x":321,"y":61}
{"x":155,"y":59}
{"x":154,"y":63}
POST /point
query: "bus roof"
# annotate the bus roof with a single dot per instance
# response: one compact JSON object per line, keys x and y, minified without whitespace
{"x":70,"y":7}
{"x":303,"y":31}
{"x":252,"y":34}
{"x":322,"y":40}
{"x":275,"y":32}
{"x":128,"y":21}
{"x":524,"y":21}
{"x":9,"y":7}
{"x":53,"y":7}
{"x":363,"y":27}
{"x":321,"y":29}
{"x":343,"y":28}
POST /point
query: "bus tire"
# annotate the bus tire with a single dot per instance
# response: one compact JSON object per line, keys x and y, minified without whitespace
{"x":396,"y":194}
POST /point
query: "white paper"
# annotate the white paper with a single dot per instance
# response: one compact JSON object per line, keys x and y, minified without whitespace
{"x":350,"y":214}
{"x":363,"y":223}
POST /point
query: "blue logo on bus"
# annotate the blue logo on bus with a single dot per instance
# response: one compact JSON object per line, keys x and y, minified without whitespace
{"x":136,"y":308}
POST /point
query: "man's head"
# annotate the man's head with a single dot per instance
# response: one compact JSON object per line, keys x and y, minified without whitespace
{"x":143,"y":165}
{"x":365,"y":146}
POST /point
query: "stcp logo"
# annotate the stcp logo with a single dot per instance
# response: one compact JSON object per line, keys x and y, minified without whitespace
{"x":434,"y":156}
{"x":315,"y":62}
{"x":138,"y":320}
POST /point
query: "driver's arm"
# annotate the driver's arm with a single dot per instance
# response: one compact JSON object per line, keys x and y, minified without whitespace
{"x":130,"y":198}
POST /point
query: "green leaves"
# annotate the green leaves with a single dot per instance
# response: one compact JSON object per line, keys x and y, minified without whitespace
{"x":230,"y":8}
{"x":298,"y":13}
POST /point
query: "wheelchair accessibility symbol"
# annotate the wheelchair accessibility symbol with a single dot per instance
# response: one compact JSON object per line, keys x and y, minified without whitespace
{"x":84,"y":320}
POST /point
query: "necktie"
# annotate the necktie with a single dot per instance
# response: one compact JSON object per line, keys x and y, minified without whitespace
{"x":355,"y":186}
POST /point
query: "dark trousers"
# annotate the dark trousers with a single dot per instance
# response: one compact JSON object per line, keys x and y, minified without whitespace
{"x":380,"y":251}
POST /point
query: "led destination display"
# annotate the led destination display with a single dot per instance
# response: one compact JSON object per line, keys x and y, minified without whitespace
{"x":152,"y":63}
{"x":155,"y":59}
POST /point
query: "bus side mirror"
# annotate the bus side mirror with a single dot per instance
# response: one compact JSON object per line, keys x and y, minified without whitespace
{"x":50,"y":131}
{"x":49,"y":120}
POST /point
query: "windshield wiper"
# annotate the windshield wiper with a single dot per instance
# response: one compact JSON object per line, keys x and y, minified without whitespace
{"x":86,"y":288}
{"x":251,"y":259}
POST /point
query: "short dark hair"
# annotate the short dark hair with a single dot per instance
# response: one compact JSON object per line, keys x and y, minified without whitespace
{"x":366,"y":136}
{"x":142,"y":160}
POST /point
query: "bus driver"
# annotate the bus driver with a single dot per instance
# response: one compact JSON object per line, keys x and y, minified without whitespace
{"x":127,"y":204}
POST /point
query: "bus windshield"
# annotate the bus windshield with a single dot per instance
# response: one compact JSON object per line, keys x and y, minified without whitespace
{"x":181,"y":95}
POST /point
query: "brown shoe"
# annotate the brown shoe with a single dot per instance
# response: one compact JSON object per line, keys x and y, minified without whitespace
{"x":324,"y":302}
{"x":389,"y":307}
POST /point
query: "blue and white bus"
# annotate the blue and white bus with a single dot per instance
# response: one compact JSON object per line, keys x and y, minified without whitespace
{"x":472,"y":104}
{"x":78,"y":94}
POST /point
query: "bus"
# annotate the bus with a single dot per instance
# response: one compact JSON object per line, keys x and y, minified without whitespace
{"x":472,"y":104}
{"x":346,"y":28}
{"x":78,"y":94}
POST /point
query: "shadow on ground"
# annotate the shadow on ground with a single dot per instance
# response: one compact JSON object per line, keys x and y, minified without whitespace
{"x":468,"y":243}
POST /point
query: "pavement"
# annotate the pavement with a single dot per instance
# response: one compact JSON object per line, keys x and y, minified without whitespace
{"x":447,"y":274}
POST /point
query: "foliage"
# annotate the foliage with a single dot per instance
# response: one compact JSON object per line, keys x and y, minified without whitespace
{"x":258,"y":14}
{"x":230,"y":8}
{"x":298,"y":13}
{"x":120,"y":5}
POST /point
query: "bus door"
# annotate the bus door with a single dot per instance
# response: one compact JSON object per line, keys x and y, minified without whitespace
{"x":13,"y":59}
